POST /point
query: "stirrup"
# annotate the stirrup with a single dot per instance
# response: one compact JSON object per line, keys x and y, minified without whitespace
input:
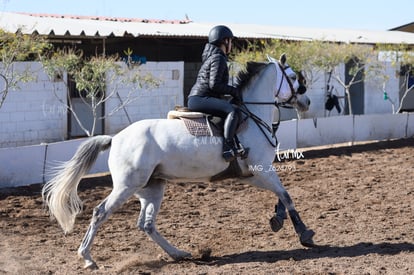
{"x":241,"y":151}
{"x":229,"y":155}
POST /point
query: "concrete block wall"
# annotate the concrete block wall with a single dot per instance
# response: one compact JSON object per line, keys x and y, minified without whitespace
{"x":57,"y":153}
{"x":22,"y":165}
{"x":287,"y":135}
{"x":374,"y":97}
{"x":32,"y":164}
{"x":381,"y":127}
{"x":374,"y":102}
{"x":342,"y":129}
{"x":191,"y":71}
{"x":410,"y":125}
{"x":27,"y":165}
{"x":31,"y":113}
{"x":149,"y":103}
{"x":316,"y":94}
{"x":321,"y":131}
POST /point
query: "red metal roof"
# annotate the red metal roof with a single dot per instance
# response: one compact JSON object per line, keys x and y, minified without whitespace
{"x":106,"y":18}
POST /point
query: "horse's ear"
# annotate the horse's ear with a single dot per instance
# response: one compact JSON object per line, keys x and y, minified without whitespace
{"x":282,"y":58}
{"x":271,"y":59}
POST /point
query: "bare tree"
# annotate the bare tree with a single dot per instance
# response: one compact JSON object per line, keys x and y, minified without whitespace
{"x":313,"y":57}
{"x":407,"y":72}
{"x":93,"y":77}
{"x":401,"y":58}
{"x":15,"y":47}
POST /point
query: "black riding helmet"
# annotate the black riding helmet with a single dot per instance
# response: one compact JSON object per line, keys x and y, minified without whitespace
{"x":218,"y":34}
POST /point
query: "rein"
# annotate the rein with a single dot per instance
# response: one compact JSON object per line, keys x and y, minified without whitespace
{"x":262,"y":125}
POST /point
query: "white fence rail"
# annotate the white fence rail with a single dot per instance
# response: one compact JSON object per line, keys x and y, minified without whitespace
{"x":32,"y":164}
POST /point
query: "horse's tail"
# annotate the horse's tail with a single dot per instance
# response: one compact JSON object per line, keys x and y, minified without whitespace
{"x":60,"y":193}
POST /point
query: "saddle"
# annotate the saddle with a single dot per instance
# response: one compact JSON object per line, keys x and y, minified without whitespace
{"x":201,"y":124}
{"x":197,"y":123}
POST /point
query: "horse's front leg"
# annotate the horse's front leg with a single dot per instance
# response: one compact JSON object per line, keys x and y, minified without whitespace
{"x":305,"y":234}
{"x":270,"y":180}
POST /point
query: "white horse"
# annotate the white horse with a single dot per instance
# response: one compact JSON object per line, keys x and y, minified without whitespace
{"x":149,"y":153}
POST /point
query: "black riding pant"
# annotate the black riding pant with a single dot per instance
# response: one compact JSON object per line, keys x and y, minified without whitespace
{"x":217,"y":107}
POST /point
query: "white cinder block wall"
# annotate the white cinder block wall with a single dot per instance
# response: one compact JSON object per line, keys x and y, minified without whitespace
{"x":374,"y":96}
{"x":33,"y":114}
{"x":374,"y":102}
{"x":316,"y":93}
{"x":149,"y":103}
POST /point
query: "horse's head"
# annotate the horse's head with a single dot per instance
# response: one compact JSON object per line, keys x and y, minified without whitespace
{"x":277,"y":83}
{"x":291,"y":86}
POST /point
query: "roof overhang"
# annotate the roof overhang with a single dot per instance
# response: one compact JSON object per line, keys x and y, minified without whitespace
{"x":75,"y":27}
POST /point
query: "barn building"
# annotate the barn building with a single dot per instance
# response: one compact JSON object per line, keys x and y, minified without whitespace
{"x":170,"y":49}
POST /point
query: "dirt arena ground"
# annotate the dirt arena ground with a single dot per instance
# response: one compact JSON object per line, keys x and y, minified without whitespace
{"x":359,"y":200}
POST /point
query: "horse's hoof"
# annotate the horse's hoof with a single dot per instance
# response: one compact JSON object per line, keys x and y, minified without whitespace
{"x":306,"y":238}
{"x":90,"y":265}
{"x":276,"y":223}
{"x":182,"y":255}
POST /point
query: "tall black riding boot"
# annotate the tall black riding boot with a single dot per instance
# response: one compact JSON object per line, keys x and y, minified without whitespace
{"x":230,"y":127}
{"x":229,"y":152}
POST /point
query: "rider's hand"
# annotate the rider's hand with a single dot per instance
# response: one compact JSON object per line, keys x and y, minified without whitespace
{"x":237,"y":99}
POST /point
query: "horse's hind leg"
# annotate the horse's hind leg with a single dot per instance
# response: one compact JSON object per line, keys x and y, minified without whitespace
{"x":151,"y":197}
{"x":100,"y":214}
{"x":277,"y":221}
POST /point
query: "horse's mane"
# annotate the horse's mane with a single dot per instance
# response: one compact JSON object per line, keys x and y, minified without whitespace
{"x":245,"y":75}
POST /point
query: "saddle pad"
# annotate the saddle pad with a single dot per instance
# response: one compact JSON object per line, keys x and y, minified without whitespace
{"x":199,"y":127}
{"x":179,"y":114}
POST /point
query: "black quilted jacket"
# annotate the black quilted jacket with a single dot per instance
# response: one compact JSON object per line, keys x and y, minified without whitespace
{"x":213,"y":77}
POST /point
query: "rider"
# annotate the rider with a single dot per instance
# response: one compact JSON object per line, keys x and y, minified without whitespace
{"x":212,"y":84}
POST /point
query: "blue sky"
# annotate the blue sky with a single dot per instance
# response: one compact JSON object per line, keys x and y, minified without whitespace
{"x":345,"y":14}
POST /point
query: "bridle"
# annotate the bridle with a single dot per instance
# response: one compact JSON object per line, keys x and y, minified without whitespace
{"x":293,"y":93}
{"x":262,"y":125}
